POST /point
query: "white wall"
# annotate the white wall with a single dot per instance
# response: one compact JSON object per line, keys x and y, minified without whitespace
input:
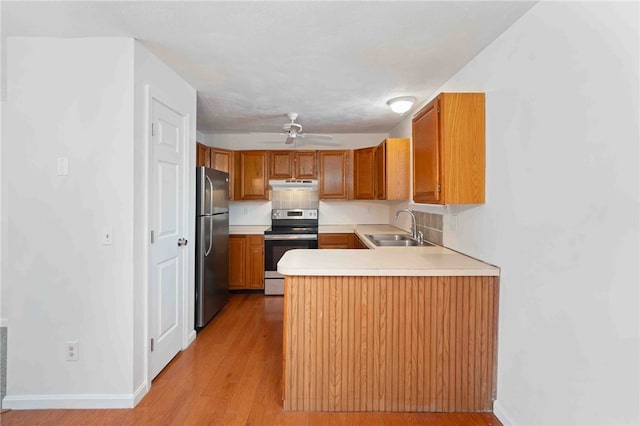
{"x":361,"y":212}
{"x":73,"y":99}
{"x":85,"y":99}
{"x":562,"y":211}
{"x":153,"y":75}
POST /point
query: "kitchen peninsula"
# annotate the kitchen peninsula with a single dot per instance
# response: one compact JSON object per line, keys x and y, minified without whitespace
{"x":389,"y":329}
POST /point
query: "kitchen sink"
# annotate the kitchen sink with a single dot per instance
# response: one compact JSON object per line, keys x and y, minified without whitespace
{"x":389,"y":237}
{"x":396,"y":240}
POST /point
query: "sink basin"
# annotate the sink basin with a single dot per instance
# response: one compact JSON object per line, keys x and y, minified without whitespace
{"x":396,"y":240}
{"x":389,"y":237}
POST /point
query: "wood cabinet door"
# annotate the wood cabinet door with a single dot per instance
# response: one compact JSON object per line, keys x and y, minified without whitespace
{"x":221,"y":159}
{"x":333,"y":175}
{"x":252,"y":175}
{"x":426,"y":154}
{"x":237,"y":261}
{"x":396,"y":158}
{"x":202,"y":155}
{"x":306,"y":165}
{"x":364,"y":173}
{"x":380,"y":187}
{"x":281,"y":164}
{"x":357,"y":243}
{"x":334,"y":241}
{"x":255,"y":262}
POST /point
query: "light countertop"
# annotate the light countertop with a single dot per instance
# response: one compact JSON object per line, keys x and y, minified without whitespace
{"x":383,"y":261}
{"x":247,"y":229}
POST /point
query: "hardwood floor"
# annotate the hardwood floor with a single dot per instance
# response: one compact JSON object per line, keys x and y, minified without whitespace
{"x":231,"y":375}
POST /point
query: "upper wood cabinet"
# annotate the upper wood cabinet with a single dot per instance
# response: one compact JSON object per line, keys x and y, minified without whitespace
{"x":449,"y":150}
{"x":218,"y":159}
{"x":335,"y":179}
{"x":393,"y":163}
{"x":364,"y":173}
{"x":382,"y":172}
{"x":251,"y":175}
{"x":221,"y":159}
{"x":306,"y":165}
{"x":380,"y":175}
{"x":202,"y":155}
{"x":293,"y":165}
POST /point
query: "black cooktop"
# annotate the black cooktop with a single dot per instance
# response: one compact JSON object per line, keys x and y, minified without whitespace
{"x":274,"y":230}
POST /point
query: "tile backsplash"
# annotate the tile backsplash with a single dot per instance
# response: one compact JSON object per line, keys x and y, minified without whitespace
{"x":431,"y":225}
{"x":294,"y":200}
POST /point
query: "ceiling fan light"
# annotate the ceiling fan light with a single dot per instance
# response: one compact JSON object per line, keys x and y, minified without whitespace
{"x":402,"y":104}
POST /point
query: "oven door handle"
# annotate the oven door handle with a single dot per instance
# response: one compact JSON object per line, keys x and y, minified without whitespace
{"x":289,"y":237}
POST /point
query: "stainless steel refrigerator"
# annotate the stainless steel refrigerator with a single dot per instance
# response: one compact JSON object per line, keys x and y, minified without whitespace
{"x":212,"y":243}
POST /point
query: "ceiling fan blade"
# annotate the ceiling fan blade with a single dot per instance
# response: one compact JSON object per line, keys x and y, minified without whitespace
{"x":290,"y":140}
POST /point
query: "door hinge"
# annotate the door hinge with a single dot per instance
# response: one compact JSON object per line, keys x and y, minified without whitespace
{"x":438,"y":109}
{"x":439,"y":188}
{"x":153,"y":237}
{"x":152,"y":345}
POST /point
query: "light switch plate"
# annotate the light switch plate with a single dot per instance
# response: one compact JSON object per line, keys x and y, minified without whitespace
{"x":62,"y":166}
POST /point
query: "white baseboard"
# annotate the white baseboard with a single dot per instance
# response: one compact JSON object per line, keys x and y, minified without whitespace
{"x":501,"y":414}
{"x":86,"y":401}
{"x":142,"y":390}
{"x":190,"y":339}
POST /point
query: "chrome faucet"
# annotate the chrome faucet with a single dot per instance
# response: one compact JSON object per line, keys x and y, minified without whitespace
{"x":415,"y":234}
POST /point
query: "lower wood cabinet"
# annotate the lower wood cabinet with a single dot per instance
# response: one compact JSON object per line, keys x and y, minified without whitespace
{"x":246,"y":262}
{"x":357,"y":243}
{"x":340,"y":241}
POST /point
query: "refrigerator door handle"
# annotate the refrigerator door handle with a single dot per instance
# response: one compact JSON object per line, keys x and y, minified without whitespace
{"x":210,"y":194}
{"x":206,"y":253}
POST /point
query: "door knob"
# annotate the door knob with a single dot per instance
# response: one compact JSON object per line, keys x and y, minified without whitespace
{"x":182,"y":242}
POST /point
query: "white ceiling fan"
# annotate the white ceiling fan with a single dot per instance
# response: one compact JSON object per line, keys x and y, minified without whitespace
{"x":293,"y":131}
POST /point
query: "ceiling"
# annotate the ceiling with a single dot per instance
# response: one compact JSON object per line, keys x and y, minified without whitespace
{"x":334,"y":63}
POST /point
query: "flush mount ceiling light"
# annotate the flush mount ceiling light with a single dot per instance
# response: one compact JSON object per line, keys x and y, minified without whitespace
{"x":402,"y":104}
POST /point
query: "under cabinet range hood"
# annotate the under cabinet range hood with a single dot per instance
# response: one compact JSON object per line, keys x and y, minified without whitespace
{"x":294,"y":185}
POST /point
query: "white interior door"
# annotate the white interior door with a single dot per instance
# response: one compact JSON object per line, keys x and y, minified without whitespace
{"x":167,"y":256}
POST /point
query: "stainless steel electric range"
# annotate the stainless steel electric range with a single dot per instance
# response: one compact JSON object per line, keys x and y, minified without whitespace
{"x":290,"y":229}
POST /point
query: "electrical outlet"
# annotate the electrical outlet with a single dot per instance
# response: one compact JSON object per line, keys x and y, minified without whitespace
{"x":107,"y":236}
{"x":71,"y":350}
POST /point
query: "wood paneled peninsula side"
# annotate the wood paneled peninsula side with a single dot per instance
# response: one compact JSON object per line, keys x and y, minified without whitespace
{"x":389,"y":329}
